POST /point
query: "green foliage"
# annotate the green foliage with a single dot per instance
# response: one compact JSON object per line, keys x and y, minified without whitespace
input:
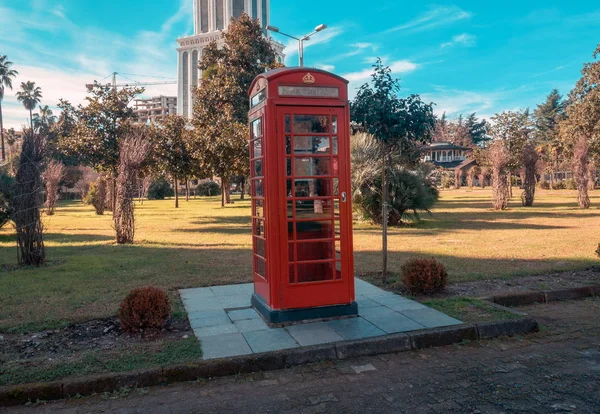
{"x":424,"y":276}
{"x":6,"y":77}
{"x":403,"y":124}
{"x":410,"y":191}
{"x":93,"y":133}
{"x":447,"y":181}
{"x":569,"y":184}
{"x":477,"y":129}
{"x":7,"y":189}
{"x":514,"y":129}
{"x":91,"y":194}
{"x":208,"y":188}
{"x":160,"y":189}
{"x":30,"y":96}
{"x":173,"y":147}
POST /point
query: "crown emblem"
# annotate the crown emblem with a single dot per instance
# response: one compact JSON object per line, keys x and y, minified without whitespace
{"x":309,"y":79}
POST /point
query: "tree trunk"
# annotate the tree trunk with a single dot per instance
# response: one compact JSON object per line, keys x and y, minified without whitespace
{"x":227,"y":191}
{"x":457,"y":178}
{"x":2,"y":133}
{"x":114,"y":194}
{"x":243,"y":185}
{"x":509,"y":177}
{"x":222,"y":194}
{"x":384,"y":211}
{"x":471,"y":178}
{"x":176,"y":189}
{"x":581,"y":164}
{"x":187,"y":189}
{"x":530,"y":159}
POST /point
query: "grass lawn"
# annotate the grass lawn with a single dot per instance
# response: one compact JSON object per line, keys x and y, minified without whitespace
{"x":201,"y":244}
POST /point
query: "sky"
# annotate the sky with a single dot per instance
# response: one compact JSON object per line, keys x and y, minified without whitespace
{"x":465,"y":56}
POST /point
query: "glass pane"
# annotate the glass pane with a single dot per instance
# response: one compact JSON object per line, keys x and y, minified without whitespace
{"x":338,"y":247}
{"x":334,"y":124}
{"x":311,"y":230}
{"x":311,"y":123}
{"x":314,"y":166}
{"x":290,"y":209}
{"x":288,"y":129}
{"x":259,"y":227}
{"x":260,"y":267}
{"x":258,"y":188}
{"x":258,"y":168}
{"x":336,"y":208}
{"x":256,"y":128}
{"x":311,"y":145}
{"x":257,"y":148}
{"x":334,"y":145}
{"x":315,"y":251}
{"x":315,"y":272}
{"x":336,"y":186}
{"x":291,"y":252}
{"x":288,"y":163}
{"x":309,"y":187}
{"x":258,"y":211}
{"x":337,"y":228}
{"x":260,"y":246}
{"x":288,"y":145}
{"x":313,"y":209}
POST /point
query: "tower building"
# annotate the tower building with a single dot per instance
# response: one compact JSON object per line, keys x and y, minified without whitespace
{"x":211,"y":17}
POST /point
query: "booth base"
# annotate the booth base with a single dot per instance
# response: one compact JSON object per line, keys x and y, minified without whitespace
{"x":277,"y":317}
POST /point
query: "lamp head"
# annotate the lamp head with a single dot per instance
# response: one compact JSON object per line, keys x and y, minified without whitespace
{"x":320,"y":27}
{"x":273,"y":29}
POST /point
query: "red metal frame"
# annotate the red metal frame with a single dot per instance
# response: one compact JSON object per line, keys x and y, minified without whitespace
{"x":300,"y":221}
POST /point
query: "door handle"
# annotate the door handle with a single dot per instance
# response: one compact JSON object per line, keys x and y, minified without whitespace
{"x":344,"y":197}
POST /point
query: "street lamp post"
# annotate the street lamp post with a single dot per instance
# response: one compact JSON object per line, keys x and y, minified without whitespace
{"x":301,"y":40}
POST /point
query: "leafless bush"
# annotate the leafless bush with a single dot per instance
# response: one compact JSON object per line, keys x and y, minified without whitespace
{"x":581,"y":171}
{"x":530,"y":160}
{"x":134,"y":151}
{"x":457,"y":178}
{"x":482,"y":176}
{"x":471,"y":177}
{"x":83,"y":185}
{"x":27,"y":200}
{"x":499,"y":158}
{"x":54,"y":172}
{"x":111,"y":189}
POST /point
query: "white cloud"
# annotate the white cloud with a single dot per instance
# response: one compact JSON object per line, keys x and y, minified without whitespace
{"x":397,"y":67}
{"x":463,"y":39}
{"x":556,"y":69}
{"x":433,"y":18}
{"x":455,"y":102}
{"x":328,"y":68}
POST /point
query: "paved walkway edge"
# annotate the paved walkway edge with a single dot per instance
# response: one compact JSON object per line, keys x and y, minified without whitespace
{"x":545,"y":296}
{"x":20,"y":394}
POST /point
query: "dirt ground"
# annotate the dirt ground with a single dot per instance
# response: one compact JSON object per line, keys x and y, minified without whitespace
{"x":553,"y":371}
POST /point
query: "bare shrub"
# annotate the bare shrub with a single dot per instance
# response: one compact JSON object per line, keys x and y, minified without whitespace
{"x":424,"y":276}
{"x":54,"y":172}
{"x":483,"y":176}
{"x":581,"y":171}
{"x":471,"y":177}
{"x":82,"y":186}
{"x":26,"y":202}
{"x":499,"y":159}
{"x":134,"y":151}
{"x":145,"y":308}
{"x":530,"y":159}
{"x":457,"y":178}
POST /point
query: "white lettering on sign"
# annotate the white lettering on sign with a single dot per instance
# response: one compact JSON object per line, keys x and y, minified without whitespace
{"x":310,"y":91}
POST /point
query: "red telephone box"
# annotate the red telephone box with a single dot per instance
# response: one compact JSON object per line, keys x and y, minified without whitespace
{"x":301,"y":208}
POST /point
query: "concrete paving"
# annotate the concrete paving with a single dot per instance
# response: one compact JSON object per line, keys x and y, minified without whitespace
{"x":226,"y":324}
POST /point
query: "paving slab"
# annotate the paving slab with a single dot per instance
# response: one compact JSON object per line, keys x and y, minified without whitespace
{"x":226,"y":324}
{"x":249,"y":325}
{"x":355,"y":328}
{"x":222,"y":346}
{"x":241,"y":314}
{"x":232,"y":290}
{"x":270,"y":340}
{"x":314,"y":334}
{"x":430,"y":318}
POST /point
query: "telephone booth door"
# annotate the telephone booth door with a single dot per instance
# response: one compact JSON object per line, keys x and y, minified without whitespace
{"x":314,"y":175}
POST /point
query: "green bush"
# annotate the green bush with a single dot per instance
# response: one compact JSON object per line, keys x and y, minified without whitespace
{"x":89,"y":196}
{"x":7,"y":188}
{"x":559,"y":185}
{"x":160,"y":189}
{"x":447,"y":181}
{"x":410,"y":191}
{"x":570,"y":184}
{"x":208,"y":188}
{"x":544,"y":185}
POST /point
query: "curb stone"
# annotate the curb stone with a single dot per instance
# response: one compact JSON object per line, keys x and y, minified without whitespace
{"x":545,"y":296}
{"x":94,"y":384}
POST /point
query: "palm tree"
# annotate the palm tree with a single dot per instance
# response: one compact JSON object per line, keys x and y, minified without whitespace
{"x":6,"y":76}
{"x":30,"y":96}
{"x":45,"y":119}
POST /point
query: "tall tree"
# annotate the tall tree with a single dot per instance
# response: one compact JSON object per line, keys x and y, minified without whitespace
{"x":30,"y":96}
{"x":399,"y":124}
{"x":6,"y":77}
{"x":221,"y":105}
{"x":173,"y":150}
{"x":477,"y":129}
{"x":580,"y":132}
{"x":547,"y":117}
